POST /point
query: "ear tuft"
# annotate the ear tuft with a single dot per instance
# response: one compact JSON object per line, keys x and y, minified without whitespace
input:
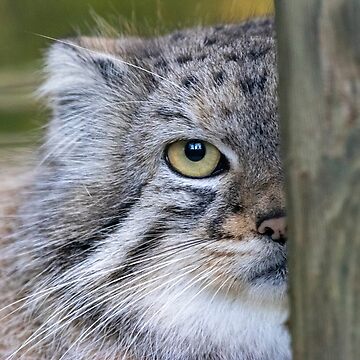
{"x":79,"y":66}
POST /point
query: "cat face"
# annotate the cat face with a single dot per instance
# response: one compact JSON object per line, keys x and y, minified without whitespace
{"x":120,"y":217}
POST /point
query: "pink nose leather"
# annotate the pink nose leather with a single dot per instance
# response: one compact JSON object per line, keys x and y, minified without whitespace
{"x":275,"y":227}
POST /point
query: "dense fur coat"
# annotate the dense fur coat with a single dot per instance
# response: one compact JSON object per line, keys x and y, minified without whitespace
{"x":118,"y":256}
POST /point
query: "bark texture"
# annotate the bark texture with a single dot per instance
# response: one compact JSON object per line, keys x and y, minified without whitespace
{"x":319,"y":62}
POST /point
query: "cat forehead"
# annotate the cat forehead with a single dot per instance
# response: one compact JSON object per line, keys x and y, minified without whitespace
{"x":216,"y":83}
{"x":221,"y":84}
{"x":211,"y":52}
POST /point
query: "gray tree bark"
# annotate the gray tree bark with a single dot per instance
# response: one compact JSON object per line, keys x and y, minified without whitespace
{"x":319,"y":64}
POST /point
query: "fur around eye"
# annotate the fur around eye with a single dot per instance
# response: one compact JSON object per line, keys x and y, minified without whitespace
{"x":194,"y":158}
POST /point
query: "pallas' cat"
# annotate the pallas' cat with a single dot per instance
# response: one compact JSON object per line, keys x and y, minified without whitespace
{"x":154,"y":227}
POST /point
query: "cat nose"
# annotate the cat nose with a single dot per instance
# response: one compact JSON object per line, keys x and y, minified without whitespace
{"x":274,"y":227}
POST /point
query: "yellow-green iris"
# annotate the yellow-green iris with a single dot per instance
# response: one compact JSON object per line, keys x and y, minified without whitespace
{"x":193,"y":158}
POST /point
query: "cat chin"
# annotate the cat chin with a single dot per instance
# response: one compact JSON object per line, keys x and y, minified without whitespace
{"x":269,"y":294}
{"x":265,"y":283}
{"x":250,"y":323}
{"x":263,"y":292}
{"x":274,"y":277}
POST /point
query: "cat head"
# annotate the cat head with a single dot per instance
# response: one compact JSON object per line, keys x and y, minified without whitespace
{"x":161,"y":171}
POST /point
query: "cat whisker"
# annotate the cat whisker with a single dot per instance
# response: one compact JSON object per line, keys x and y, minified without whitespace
{"x":215,"y":269}
{"x":228,"y":279}
{"x":40,"y":330}
{"x":90,"y":276}
{"x":194,"y":280}
{"x":94,"y":328}
{"x":189,"y":301}
{"x":60,"y":326}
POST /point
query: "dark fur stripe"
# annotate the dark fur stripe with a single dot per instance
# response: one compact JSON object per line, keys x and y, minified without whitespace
{"x":77,"y":250}
{"x":201,"y":192}
{"x":150,"y":241}
{"x":192,"y":211}
{"x":169,"y":113}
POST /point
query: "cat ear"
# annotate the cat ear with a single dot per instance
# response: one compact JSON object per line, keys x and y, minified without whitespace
{"x":88,"y":71}
{"x":93,"y":90}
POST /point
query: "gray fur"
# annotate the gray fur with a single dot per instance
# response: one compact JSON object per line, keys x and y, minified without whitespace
{"x":114,"y":233}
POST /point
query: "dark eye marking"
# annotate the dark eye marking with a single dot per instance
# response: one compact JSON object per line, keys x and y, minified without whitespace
{"x":193,"y":210}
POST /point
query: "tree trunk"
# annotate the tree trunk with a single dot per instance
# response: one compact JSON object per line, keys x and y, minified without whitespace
{"x":319,"y":64}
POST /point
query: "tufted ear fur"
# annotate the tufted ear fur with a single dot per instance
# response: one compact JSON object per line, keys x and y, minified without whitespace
{"x":93,"y":86}
{"x":85,"y":75}
{"x":87,"y":65}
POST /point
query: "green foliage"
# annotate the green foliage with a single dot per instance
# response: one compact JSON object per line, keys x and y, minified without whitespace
{"x":24,"y":21}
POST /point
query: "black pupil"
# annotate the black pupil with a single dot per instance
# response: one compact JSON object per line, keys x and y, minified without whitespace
{"x":195,"y":150}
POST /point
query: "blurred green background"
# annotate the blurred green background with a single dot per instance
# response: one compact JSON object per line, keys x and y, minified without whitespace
{"x":21,"y":46}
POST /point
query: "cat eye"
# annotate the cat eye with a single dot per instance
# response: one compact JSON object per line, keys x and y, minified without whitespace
{"x":195,"y":158}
